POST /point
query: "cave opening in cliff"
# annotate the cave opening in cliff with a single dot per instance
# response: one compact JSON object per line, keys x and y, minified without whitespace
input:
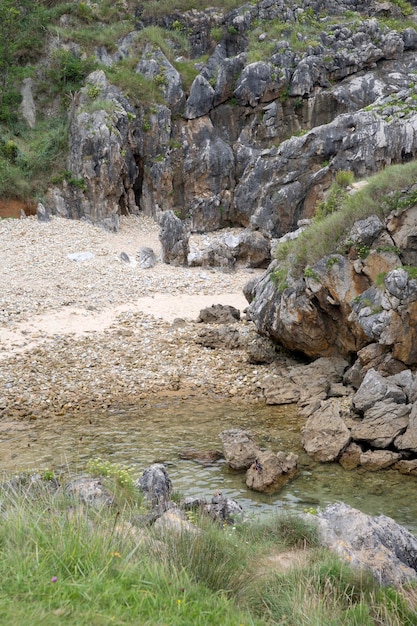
{"x":138,"y":182}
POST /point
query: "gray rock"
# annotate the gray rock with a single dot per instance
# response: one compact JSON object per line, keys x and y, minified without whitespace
{"x":240,"y":450}
{"x":155,"y":65}
{"x":200,"y":100}
{"x":174,"y":237}
{"x":219,"y":314}
{"x":375,"y":388}
{"x":223,"y":509}
{"x":377,"y":544}
{"x":156,"y":486}
{"x":396,"y":283}
{"x":366,"y":231}
{"x":382,"y":423}
{"x":147,"y":258}
{"x":42,"y":213}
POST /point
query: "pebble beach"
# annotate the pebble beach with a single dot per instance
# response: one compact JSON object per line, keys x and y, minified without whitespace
{"x":94,"y":334}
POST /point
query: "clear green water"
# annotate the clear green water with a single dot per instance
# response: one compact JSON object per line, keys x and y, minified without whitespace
{"x":161,"y":431}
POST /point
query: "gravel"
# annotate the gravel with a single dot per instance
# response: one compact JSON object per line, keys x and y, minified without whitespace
{"x":75,"y":335}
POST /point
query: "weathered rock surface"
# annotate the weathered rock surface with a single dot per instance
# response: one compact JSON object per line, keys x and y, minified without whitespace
{"x":156,"y":486}
{"x":271,"y":471}
{"x":240,"y":450}
{"x":252,"y":144}
{"x":377,"y":544}
{"x":335,"y":309}
{"x":325,"y":434}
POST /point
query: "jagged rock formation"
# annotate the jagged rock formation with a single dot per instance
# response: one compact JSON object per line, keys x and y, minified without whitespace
{"x":337,"y":309}
{"x":252,"y":144}
{"x":374,"y":543}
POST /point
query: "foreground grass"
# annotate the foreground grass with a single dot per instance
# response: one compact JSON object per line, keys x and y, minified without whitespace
{"x":62,"y":563}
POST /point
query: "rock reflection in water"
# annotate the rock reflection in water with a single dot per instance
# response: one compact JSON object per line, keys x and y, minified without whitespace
{"x":161,"y":431}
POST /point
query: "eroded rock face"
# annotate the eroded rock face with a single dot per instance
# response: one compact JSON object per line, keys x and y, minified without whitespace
{"x":99,"y":179}
{"x":226,"y":153}
{"x":271,"y":471}
{"x":336,"y":309}
{"x":377,"y":544}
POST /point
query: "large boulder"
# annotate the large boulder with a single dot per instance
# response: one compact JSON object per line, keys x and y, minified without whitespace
{"x":377,"y":544}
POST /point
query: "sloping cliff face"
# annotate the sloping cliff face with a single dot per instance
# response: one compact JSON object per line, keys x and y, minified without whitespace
{"x":251,"y":143}
{"x":343,"y":303}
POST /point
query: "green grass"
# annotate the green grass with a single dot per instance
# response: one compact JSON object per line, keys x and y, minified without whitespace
{"x":63,"y":563}
{"x":91,"y":36}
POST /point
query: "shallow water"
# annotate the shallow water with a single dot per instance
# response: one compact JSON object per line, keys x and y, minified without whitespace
{"x":161,"y":431}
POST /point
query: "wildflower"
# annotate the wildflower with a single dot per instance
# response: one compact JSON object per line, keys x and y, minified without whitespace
{"x":116,"y":554}
{"x":54,"y":579}
{"x":179,"y":602}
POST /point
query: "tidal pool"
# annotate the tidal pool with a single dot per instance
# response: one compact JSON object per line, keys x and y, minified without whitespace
{"x":161,"y":431}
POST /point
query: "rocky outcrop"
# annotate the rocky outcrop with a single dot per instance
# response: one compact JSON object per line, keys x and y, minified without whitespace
{"x":377,"y":544}
{"x":336,"y":307}
{"x":98,"y":183}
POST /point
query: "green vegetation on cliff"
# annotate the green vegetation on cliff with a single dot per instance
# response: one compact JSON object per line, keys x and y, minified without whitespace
{"x":55,"y":44}
{"x":391,"y":189}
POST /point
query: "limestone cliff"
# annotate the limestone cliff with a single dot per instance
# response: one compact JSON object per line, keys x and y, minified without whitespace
{"x":286,"y":94}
